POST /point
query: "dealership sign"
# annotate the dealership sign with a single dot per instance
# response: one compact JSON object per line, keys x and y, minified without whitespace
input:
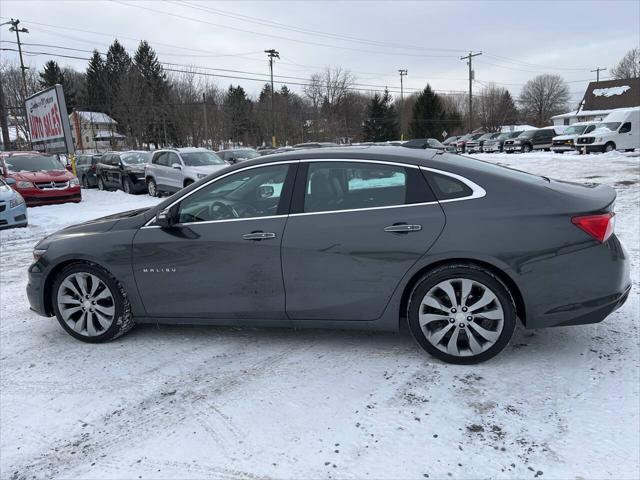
{"x":48,"y":121}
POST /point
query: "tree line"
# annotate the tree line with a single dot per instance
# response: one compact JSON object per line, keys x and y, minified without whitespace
{"x":159,"y":106}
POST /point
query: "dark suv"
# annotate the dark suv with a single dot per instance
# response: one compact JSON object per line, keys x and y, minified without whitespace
{"x":540,"y":139}
{"x":86,"y":169}
{"x":122,"y":170}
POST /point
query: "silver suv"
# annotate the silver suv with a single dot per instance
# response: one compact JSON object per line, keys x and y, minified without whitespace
{"x":175,"y":168}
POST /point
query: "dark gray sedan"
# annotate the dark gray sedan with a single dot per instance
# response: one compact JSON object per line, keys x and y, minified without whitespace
{"x":365,"y":237}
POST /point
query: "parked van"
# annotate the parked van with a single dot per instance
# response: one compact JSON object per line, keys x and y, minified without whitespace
{"x":620,"y":130}
{"x":566,"y":142}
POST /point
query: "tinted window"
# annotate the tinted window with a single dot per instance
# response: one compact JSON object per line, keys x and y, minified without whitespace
{"x":348,"y":185}
{"x":251,"y":193}
{"x":160,"y":158}
{"x":447,"y":188}
{"x":625,"y":128}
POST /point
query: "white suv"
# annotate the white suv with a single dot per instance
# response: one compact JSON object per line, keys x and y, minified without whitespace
{"x":173,"y":169}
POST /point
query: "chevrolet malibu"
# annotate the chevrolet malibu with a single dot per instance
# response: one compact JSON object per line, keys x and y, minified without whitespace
{"x":365,"y":237}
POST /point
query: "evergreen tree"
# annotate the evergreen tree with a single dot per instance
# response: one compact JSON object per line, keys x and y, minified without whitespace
{"x":96,"y":95}
{"x":237,"y":111}
{"x":153,"y":92}
{"x":429,"y":118}
{"x":117,"y":67}
{"x":381,"y":123}
{"x":51,"y":74}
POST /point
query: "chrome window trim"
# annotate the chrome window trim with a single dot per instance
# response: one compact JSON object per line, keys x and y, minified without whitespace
{"x":267,"y":217}
{"x":148,"y":224}
{"x":476,"y":190}
{"x":363,"y":209}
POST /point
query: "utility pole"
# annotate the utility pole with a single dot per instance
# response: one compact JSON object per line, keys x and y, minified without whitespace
{"x":204,"y":119}
{"x":403,"y":72}
{"x":271,"y":53}
{"x":3,"y":121}
{"x":468,"y":59}
{"x":15,"y":27}
{"x":597,"y":72}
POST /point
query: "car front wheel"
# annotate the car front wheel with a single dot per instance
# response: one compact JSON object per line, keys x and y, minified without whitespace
{"x":462,"y":314}
{"x":127,"y":186}
{"x":152,"y":188}
{"x":526,"y":148}
{"x":610,"y":147}
{"x":101,"y":185}
{"x":90,"y":303}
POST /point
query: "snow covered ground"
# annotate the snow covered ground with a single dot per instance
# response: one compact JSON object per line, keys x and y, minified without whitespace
{"x":207,"y":402}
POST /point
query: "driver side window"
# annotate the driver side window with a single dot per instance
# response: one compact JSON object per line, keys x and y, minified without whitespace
{"x":250,"y":193}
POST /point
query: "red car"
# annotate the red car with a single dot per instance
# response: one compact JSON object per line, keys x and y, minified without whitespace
{"x":41,"y":179}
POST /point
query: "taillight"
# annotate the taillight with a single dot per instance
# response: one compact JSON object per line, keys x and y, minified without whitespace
{"x":599,"y":226}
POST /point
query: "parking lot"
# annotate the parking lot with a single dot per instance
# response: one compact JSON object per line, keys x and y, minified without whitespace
{"x":196,"y":402}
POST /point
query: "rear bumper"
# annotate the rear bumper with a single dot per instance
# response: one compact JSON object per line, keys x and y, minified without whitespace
{"x":581,"y":286}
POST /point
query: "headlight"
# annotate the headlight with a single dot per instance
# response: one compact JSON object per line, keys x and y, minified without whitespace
{"x":24,"y":184}
{"x":16,"y":201}
{"x":38,"y":253}
{"x":201,"y":175}
{"x":74,"y":182}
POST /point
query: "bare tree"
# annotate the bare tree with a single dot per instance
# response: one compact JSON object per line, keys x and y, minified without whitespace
{"x":496,"y":108}
{"x":542,"y":97}
{"x":11,"y":78}
{"x":629,"y":66}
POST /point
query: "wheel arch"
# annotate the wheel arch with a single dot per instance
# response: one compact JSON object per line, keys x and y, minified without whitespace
{"x":47,"y":298}
{"x":498,"y":272}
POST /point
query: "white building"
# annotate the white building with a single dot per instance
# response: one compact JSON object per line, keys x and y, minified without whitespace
{"x":95,"y":131}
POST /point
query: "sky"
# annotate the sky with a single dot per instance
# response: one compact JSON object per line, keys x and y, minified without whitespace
{"x":518,"y":39}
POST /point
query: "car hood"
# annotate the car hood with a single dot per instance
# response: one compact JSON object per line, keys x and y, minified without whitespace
{"x":98,"y":225}
{"x":565,"y":137}
{"x":42,"y":176}
{"x":7,"y":193}
{"x":207,"y":169}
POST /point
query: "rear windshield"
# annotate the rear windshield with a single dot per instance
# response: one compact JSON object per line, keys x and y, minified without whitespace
{"x":201,"y":159}
{"x":246,"y":154}
{"x":32,"y":163}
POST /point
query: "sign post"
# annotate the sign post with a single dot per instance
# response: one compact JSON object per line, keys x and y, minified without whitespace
{"x":49,"y":122}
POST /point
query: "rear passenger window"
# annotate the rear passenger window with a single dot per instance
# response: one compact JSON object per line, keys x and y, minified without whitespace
{"x":447,"y":188}
{"x":352,"y":185}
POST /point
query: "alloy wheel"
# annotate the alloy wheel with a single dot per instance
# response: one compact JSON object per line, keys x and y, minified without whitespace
{"x":461,"y":317}
{"x":86,"y":304}
{"x":151,"y":188}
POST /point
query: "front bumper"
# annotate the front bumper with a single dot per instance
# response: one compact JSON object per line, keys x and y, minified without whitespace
{"x":12,"y":217}
{"x":512,"y":148}
{"x":35,"y":290}
{"x":562,"y":148}
{"x":590,"y":148}
{"x":36,"y":196}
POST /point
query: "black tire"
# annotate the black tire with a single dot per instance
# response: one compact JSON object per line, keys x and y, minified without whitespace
{"x":526,"y":148}
{"x":127,"y":186}
{"x":152,"y":188}
{"x":101,"y":185}
{"x":471,"y":272}
{"x":123,"y":319}
{"x":187,"y":183}
{"x":609,"y":147}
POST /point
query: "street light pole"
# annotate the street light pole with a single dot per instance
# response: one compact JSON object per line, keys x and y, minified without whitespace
{"x":403,"y":72}
{"x":272,"y":53}
{"x":468,"y":59}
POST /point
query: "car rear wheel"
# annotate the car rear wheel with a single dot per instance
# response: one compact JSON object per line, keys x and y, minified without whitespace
{"x":152,"y":188}
{"x":90,"y":303}
{"x":462,"y":314}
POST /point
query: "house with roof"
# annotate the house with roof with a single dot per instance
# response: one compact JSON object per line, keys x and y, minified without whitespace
{"x":95,"y":131}
{"x":602,"y":98}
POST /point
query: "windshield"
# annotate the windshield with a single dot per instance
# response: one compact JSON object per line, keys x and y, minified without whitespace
{"x":134,"y":158}
{"x":201,"y":159}
{"x":32,"y":163}
{"x":612,"y":126}
{"x":246,"y":154}
{"x":527,"y":134}
{"x":574,"y":130}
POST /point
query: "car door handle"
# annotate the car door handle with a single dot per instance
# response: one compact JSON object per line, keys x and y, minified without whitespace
{"x":402,"y":228}
{"x":258,"y":236}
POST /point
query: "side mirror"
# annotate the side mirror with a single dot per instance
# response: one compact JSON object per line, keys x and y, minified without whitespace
{"x":177,"y":166}
{"x":265,"y":191}
{"x":10,"y":181}
{"x":167,"y":218}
